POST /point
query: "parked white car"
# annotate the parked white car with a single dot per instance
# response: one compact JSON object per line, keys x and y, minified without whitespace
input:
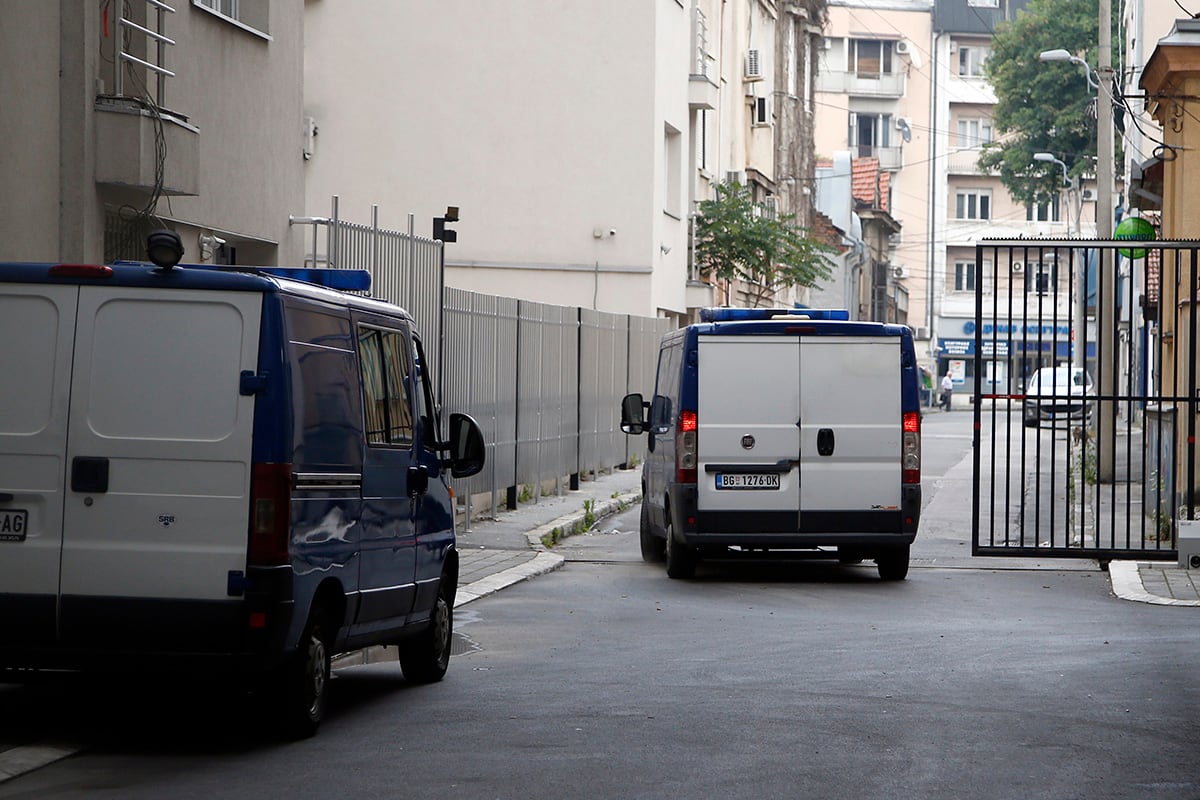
{"x":1058,"y":393}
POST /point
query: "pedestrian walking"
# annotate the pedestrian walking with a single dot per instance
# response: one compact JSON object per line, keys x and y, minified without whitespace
{"x":947,"y":391}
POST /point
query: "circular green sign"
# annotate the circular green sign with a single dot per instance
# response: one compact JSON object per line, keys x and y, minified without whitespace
{"x":1134,"y":228}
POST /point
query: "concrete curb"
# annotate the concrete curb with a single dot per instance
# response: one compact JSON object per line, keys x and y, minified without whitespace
{"x":567,"y":523}
{"x":20,"y":760}
{"x":541,"y":563}
{"x":1127,"y":585}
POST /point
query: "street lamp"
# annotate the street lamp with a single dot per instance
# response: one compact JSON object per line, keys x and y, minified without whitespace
{"x":1063,"y":55}
{"x":1072,"y":187}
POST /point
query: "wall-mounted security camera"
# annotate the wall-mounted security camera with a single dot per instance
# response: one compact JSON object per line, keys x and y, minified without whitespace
{"x":612,"y":231}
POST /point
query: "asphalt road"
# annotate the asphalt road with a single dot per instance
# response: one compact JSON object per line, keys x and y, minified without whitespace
{"x":606,"y":679}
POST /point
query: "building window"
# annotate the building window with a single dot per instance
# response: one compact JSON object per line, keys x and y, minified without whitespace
{"x":971,"y":59}
{"x":1043,"y":212}
{"x":672,"y":166}
{"x":869,"y":132}
{"x":974,"y":132}
{"x":973,"y":204}
{"x":870,"y":58}
{"x":1041,"y":278}
{"x":964,"y":276}
{"x":251,"y":15}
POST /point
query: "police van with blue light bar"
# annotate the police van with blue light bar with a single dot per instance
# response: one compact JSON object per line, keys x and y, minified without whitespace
{"x":792,"y":430}
{"x":221,"y":470}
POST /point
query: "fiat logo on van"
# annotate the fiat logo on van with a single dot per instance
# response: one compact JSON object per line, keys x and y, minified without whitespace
{"x":748,"y":442}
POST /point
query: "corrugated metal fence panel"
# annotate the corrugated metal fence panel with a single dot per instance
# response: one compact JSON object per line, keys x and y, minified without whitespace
{"x":530,"y":391}
{"x":505,"y":355}
{"x":604,"y":344}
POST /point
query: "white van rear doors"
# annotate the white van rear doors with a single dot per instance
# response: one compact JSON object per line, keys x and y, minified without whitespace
{"x":805,"y":424}
{"x":37,"y":328}
{"x":748,"y":436}
{"x":850,"y":423}
{"x":159,"y":446}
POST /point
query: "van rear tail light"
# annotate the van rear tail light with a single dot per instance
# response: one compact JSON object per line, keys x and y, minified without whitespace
{"x":911,"y":448}
{"x":685,"y":447}
{"x":270,"y":514}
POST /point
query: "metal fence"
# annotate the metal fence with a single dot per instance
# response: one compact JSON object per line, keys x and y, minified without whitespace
{"x":543,"y":381}
{"x":1098,"y":460}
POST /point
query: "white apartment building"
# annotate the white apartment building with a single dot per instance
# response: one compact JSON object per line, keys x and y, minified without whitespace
{"x":575,"y":138}
{"x":903,"y":82}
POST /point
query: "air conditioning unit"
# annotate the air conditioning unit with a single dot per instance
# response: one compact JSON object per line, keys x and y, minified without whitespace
{"x":899,"y":273}
{"x":922,"y":333}
{"x":903,"y":47}
{"x":754,"y":66}
{"x":1088,"y":195}
{"x":1018,"y":266}
{"x":953,"y":48}
{"x":826,"y":43}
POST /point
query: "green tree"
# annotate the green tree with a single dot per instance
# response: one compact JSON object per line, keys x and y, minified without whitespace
{"x":736,"y":239}
{"x":1044,"y":106}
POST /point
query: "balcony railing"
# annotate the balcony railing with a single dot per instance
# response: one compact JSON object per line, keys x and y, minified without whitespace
{"x":863,"y":84}
{"x":140,"y":50}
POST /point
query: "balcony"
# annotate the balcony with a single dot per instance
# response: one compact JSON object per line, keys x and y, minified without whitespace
{"x":965,"y":161}
{"x":126,"y":151}
{"x":703,"y":93}
{"x":863,"y":84}
{"x":891,"y":159}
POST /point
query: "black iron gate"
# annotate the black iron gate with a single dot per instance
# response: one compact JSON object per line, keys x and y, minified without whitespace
{"x":1084,"y":366}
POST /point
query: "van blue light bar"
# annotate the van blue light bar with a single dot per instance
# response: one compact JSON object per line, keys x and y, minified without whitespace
{"x":345,"y":280}
{"x":761,"y":314}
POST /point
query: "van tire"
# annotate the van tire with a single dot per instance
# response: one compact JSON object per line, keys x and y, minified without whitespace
{"x":681,"y":559}
{"x":654,"y":548}
{"x":893,"y":564}
{"x":304,"y":687}
{"x":425,"y":657}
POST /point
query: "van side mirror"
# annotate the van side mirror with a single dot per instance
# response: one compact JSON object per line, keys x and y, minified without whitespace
{"x":467,"y":450}
{"x":633,"y":414}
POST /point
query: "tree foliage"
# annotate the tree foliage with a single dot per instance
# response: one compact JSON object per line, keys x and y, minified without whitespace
{"x":737,"y":239}
{"x":1044,"y":106}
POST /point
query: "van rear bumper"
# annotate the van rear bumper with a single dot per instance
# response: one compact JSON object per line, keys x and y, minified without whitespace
{"x":797,"y":530}
{"x":130,"y":634}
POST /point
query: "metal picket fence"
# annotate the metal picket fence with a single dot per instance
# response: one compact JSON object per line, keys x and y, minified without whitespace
{"x":543,"y":381}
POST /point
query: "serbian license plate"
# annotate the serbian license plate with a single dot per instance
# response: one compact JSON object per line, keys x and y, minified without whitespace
{"x":747,"y":480}
{"x":13,"y":523}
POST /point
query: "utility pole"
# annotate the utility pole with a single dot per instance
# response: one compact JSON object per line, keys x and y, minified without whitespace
{"x":1106,"y":279}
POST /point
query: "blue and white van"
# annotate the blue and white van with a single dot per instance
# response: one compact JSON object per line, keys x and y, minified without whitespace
{"x":221,"y":470}
{"x":781,"y":429}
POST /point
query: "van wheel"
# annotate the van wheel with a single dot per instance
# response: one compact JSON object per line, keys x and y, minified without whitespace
{"x":681,"y":559}
{"x":305,"y":681}
{"x":654,"y":549}
{"x":893,"y":564}
{"x":426,"y":657}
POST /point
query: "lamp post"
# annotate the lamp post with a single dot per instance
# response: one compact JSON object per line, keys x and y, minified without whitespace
{"x":1106,"y":277}
{"x":1071,"y":185}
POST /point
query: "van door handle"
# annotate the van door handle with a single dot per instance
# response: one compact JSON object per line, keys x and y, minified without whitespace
{"x":825,"y":441}
{"x":89,"y":474}
{"x":418,"y":480}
